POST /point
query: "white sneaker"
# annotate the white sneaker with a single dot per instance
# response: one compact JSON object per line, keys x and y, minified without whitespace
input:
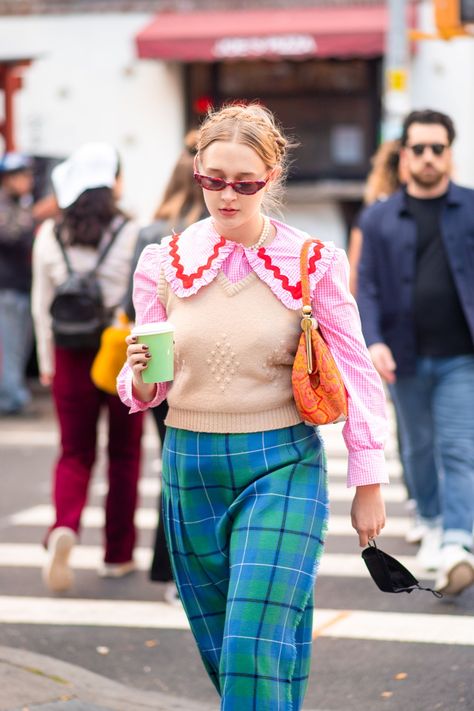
{"x":57,"y":574}
{"x":416,"y":533}
{"x":456,"y":570}
{"x":428,"y":557}
{"x":171,"y":595}
{"x":116,"y":570}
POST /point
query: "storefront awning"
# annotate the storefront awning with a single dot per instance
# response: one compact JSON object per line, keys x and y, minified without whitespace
{"x":271,"y":34}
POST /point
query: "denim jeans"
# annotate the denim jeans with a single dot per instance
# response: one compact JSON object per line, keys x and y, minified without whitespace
{"x":16,"y":340}
{"x":435,"y":408}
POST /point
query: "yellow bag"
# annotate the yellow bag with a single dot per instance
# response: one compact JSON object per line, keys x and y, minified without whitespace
{"x":111,"y":356}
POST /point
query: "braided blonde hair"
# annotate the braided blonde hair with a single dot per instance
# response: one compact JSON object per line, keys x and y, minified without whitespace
{"x":255,"y":126}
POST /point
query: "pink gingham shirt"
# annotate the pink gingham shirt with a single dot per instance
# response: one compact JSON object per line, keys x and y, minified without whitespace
{"x":196,"y":260}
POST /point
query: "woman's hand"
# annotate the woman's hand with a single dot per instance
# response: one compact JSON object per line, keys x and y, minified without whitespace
{"x":137,"y":359}
{"x":368,"y":512}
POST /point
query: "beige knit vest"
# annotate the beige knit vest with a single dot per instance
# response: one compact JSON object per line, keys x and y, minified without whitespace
{"x":234,"y":350}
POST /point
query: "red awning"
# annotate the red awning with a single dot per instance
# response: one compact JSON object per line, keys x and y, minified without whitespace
{"x":272,"y":34}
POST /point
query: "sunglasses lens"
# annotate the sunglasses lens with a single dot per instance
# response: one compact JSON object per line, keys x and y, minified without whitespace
{"x":210,"y":183}
{"x":436,"y":148}
{"x":247,"y":187}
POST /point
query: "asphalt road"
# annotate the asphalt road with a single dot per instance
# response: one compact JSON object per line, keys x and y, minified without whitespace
{"x":372,"y":650}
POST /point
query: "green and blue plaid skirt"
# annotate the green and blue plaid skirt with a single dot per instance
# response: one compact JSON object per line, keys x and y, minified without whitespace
{"x":246,"y":517}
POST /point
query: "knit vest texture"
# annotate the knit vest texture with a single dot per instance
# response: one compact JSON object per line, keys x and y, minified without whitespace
{"x":234,"y":349}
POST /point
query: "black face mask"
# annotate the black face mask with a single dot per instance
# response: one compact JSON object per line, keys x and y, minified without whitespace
{"x":388,"y":574}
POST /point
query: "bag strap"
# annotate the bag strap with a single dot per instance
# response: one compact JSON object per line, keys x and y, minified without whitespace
{"x":305,"y":292}
{"x":107,"y":247}
{"x":308,"y":323}
{"x":304,"y":270}
{"x":103,"y":253}
{"x":63,"y":250}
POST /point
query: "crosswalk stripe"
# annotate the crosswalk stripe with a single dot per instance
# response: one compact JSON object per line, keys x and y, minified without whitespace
{"x":146,"y":518}
{"x":353,"y":624}
{"x":393,"y":493}
{"x":400,"y":627}
{"x":49,"y":437}
{"x":337,"y":454}
{"x":30,"y":555}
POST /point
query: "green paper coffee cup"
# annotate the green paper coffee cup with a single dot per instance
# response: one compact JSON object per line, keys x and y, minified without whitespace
{"x":159,"y":339}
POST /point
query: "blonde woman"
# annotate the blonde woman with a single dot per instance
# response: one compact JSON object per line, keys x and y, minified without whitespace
{"x":245,"y":496}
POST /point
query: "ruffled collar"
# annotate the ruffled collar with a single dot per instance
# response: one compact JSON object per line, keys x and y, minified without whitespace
{"x":193,"y":259}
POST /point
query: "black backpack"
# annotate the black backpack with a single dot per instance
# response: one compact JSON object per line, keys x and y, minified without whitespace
{"x":77,"y":309}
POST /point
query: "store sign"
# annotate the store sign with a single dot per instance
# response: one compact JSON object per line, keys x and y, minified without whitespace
{"x":282,"y":45}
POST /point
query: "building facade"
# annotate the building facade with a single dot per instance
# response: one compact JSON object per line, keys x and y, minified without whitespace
{"x":140,"y":73}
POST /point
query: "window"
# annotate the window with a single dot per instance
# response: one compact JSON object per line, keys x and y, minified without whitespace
{"x":331,"y":107}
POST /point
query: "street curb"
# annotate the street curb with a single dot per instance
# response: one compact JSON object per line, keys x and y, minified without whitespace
{"x":28,"y":679}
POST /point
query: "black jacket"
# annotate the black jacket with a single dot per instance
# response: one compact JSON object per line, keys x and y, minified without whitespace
{"x":16,"y":244}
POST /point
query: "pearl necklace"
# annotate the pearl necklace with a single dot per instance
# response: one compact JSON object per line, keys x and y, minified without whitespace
{"x":264,"y":234}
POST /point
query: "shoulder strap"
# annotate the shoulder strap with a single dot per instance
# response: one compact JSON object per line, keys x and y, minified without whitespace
{"x":102,"y":254}
{"x":63,"y":249}
{"x":305,"y":291}
{"x":107,"y":247}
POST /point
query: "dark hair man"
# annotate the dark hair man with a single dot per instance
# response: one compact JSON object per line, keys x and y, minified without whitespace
{"x":416,"y":299}
{"x":16,"y":241}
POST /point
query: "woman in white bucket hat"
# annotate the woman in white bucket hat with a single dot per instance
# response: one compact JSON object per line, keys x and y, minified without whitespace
{"x":87,"y":188}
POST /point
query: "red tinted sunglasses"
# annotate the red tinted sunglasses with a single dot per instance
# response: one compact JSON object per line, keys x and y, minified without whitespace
{"x":243,"y":187}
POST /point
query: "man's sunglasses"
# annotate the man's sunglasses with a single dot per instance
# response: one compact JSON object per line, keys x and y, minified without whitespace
{"x":243,"y":187}
{"x":436,"y":148}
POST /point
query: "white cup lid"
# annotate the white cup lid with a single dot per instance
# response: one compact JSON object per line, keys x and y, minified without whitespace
{"x":146,"y":329}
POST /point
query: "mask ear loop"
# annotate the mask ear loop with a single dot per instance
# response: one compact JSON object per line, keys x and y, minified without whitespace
{"x":372,"y":544}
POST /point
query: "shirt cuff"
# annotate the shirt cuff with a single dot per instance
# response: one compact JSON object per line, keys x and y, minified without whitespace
{"x":125,"y":391}
{"x":367,"y":466}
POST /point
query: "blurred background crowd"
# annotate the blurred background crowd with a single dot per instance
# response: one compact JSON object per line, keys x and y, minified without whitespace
{"x":138,"y":77}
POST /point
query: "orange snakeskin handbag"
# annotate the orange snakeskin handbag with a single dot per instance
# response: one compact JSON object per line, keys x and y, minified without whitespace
{"x":318,"y":388}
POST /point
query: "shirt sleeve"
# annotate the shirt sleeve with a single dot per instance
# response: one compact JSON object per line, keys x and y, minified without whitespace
{"x":366,"y":428}
{"x":42,"y":293}
{"x":148,"y":309}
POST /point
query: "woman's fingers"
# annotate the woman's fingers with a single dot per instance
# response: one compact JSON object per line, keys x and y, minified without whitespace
{"x":368,"y":512}
{"x":138,"y":355}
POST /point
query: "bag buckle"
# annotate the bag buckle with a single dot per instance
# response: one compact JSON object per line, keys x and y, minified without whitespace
{"x":307,"y":325}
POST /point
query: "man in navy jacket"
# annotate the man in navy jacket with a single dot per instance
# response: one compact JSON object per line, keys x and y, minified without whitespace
{"x":416,"y":299}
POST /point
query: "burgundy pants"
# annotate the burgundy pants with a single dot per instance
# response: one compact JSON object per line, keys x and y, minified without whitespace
{"x":78,"y":404}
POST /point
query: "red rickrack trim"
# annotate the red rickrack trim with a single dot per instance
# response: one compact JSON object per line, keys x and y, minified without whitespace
{"x":188,"y":279}
{"x":294,"y":290}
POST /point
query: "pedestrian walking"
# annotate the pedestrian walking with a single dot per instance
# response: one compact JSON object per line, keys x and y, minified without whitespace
{"x":90,"y":246}
{"x":416,"y":299}
{"x":245,"y":492}
{"x":182,"y":205}
{"x":17,"y":226}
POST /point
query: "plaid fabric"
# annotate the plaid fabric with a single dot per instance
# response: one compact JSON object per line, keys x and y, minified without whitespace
{"x":246,"y":517}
